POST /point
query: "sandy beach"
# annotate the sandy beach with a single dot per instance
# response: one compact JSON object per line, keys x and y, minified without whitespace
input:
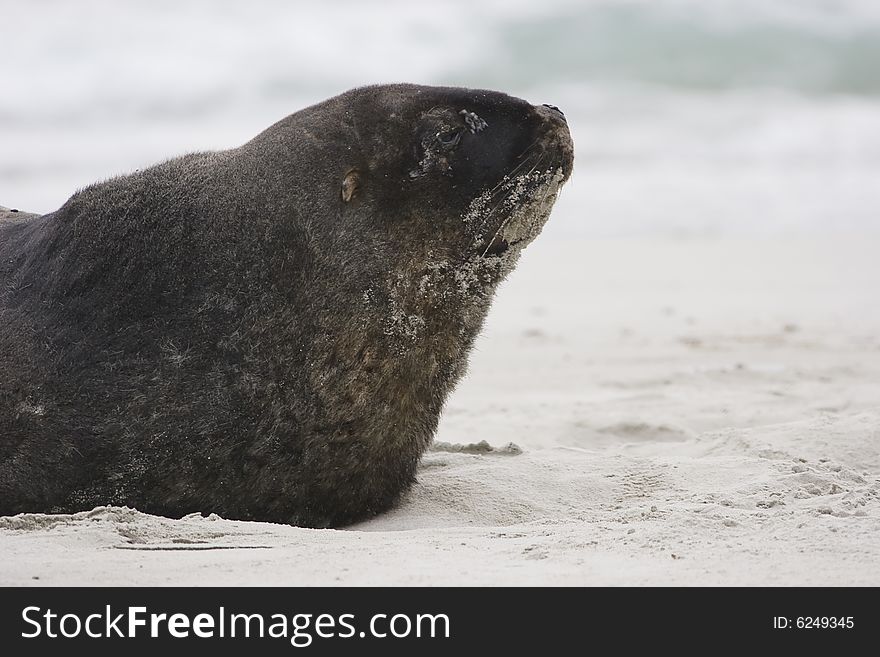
{"x":637,"y":412}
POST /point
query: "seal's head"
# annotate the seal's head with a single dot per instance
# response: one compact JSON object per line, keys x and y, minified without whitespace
{"x":471,"y":173}
{"x":441,"y":177}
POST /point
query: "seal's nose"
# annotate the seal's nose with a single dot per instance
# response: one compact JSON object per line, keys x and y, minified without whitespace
{"x":555,"y":109}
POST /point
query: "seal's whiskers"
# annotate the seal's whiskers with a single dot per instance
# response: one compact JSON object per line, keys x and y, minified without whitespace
{"x":512,"y":215}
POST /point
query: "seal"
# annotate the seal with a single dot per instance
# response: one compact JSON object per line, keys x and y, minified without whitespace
{"x":267,"y":332}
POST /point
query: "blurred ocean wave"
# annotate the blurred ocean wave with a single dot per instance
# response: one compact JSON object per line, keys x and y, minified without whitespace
{"x":701,"y":46}
{"x":691,"y":117}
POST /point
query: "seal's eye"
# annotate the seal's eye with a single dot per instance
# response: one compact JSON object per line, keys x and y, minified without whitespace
{"x":449,"y":138}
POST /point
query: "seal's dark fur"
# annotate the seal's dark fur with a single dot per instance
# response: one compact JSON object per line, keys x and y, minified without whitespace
{"x":228,"y":332}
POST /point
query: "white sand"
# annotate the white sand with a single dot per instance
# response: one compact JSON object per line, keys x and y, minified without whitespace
{"x":689,"y":412}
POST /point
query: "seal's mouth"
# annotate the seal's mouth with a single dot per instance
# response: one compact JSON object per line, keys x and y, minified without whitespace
{"x":499,"y":246}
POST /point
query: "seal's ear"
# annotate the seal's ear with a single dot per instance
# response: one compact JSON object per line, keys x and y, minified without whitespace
{"x":351,"y":185}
